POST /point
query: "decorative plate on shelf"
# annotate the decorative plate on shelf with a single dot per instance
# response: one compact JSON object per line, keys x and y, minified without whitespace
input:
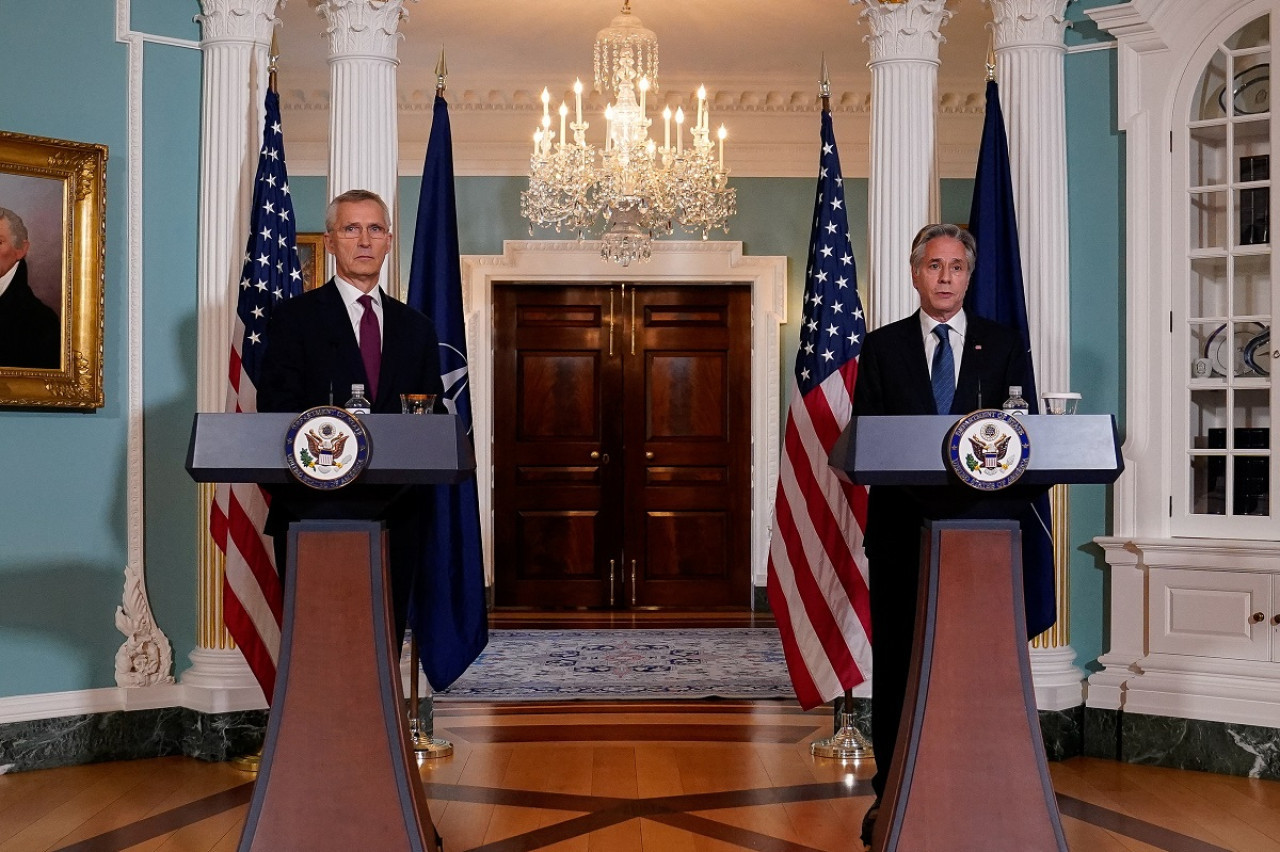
{"x":1226,"y":356}
{"x":1250,"y":91}
{"x":1257,"y":356}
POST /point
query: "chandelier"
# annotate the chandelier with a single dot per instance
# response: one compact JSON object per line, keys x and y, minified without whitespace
{"x":631,"y":188}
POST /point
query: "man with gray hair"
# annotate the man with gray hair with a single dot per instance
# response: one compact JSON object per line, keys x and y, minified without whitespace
{"x":939,"y":360}
{"x":30,"y":334}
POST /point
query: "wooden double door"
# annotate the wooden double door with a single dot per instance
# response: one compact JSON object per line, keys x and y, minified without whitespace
{"x":622,"y":441}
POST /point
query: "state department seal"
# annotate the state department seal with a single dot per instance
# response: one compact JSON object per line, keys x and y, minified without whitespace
{"x":988,"y":449}
{"x":326,"y":447}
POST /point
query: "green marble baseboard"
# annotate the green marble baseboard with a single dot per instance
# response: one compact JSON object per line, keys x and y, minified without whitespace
{"x":1251,"y":751}
{"x":97,"y":737}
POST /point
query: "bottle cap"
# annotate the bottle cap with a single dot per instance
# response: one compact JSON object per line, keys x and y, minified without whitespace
{"x":1015,"y":390}
{"x":357,"y":390}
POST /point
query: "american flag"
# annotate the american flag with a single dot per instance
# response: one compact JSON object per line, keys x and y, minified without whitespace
{"x":252,"y":594}
{"x":817,"y":570}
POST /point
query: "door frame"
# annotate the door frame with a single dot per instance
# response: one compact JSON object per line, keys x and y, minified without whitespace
{"x":673,"y":262}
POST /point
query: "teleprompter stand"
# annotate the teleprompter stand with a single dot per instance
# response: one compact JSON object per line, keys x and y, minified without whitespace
{"x":969,"y":769}
{"x":337,"y":769}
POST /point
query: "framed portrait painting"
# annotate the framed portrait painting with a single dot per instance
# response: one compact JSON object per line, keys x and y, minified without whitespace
{"x":52,"y":227}
{"x":311,"y":259}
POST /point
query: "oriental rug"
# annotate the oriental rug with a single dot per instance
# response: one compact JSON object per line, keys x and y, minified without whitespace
{"x":558,"y":665}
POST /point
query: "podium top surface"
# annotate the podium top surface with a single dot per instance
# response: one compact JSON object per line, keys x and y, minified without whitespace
{"x":908,"y":450}
{"x":405,"y":449}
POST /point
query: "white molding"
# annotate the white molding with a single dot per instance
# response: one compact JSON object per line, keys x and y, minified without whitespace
{"x":56,"y":705}
{"x":673,"y":261}
{"x":1057,"y":681}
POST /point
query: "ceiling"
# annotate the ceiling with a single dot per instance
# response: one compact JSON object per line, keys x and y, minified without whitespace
{"x":759,"y":59}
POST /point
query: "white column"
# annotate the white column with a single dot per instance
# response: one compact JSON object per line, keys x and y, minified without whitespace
{"x":363,"y":141}
{"x":1029,"y":69}
{"x":235,"y":38}
{"x":903,"y":195}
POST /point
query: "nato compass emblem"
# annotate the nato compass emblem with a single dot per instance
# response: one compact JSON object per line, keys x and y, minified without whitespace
{"x":988,"y":449}
{"x":326,"y":447}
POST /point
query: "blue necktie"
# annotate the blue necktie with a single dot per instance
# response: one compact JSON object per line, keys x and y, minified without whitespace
{"x":943,"y":375}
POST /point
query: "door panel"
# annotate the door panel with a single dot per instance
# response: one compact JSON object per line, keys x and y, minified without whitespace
{"x":553,"y":529}
{"x":622,"y":453}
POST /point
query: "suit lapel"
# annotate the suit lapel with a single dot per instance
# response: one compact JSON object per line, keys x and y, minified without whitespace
{"x":914,"y":367}
{"x":973,"y":366}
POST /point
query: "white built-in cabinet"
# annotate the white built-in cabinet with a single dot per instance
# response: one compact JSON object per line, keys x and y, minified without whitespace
{"x":1194,"y":621}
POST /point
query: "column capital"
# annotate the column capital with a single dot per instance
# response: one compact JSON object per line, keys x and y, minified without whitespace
{"x":1028,"y":23}
{"x":904,"y":29}
{"x":238,"y":20}
{"x":368,"y":28}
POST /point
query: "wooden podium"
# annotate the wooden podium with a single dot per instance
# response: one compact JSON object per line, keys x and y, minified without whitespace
{"x":969,"y":769}
{"x":337,"y":769}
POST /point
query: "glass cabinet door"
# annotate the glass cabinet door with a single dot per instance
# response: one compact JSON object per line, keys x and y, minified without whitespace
{"x":1228,"y":467}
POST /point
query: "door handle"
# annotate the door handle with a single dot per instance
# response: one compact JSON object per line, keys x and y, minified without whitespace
{"x":603,"y":458}
{"x":633,"y":583}
{"x":1257,"y":618}
{"x":611,"y":575}
{"x":648,"y":456}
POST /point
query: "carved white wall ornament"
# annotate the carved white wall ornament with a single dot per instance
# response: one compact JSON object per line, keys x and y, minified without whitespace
{"x":146,"y":657}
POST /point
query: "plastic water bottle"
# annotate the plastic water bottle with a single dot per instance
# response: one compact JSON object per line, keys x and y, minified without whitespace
{"x":1015,"y":404}
{"x":359,"y":405}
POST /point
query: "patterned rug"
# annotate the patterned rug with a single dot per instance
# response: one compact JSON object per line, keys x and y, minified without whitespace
{"x":555,"y":665}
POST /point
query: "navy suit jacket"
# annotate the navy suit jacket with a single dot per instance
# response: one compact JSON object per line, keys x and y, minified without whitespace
{"x":893,"y":378}
{"x":313,"y":358}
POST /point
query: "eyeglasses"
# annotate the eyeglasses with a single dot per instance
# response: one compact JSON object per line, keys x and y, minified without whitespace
{"x":376,"y":233}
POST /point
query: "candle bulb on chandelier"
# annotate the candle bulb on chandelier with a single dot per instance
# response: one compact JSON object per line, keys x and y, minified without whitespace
{"x":666,"y":128}
{"x":537,"y":140}
{"x":546,"y":100}
{"x":720,"y":134}
{"x":679,"y":129}
{"x":644,"y":91}
{"x":608,"y":127}
{"x":577,"y":97}
{"x":564,"y":112}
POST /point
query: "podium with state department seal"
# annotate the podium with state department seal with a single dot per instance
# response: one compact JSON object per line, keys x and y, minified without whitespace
{"x":969,"y":769}
{"x":337,"y":770}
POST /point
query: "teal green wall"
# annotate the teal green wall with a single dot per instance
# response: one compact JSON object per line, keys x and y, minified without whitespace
{"x":63,"y":523}
{"x":1095,"y":188}
{"x":63,"y":502}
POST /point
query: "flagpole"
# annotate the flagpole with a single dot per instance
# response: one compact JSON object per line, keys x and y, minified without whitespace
{"x":847,"y":743}
{"x":421,"y":737}
{"x":252,"y":763}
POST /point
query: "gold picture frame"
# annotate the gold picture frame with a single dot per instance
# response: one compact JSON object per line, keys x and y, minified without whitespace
{"x":311,"y":260}
{"x":58,"y":189}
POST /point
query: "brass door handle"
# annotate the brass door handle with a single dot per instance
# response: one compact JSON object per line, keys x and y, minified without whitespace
{"x":1275,"y":619}
{"x":1257,"y":618}
{"x":603,"y":458}
{"x":648,"y":456}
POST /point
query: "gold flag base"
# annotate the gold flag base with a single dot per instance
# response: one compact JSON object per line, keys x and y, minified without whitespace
{"x":248,"y":762}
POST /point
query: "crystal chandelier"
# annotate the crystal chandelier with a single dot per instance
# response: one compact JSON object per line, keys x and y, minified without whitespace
{"x":634,"y":188}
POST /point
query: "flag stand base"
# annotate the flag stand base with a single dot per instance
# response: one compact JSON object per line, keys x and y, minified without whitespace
{"x":425,"y":746}
{"x":847,"y":743}
{"x":248,"y":762}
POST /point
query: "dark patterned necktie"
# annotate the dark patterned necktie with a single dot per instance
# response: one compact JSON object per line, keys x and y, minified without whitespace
{"x":371,"y":345}
{"x":944,"y":371}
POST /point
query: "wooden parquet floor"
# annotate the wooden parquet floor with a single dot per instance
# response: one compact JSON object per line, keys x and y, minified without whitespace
{"x":706,"y":776}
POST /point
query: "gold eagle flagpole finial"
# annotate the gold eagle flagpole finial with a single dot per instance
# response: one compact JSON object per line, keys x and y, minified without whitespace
{"x":273,"y":54}
{"x":991,"y":58}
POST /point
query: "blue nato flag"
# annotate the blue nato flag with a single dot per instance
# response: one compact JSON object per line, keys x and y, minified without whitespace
{"x":996,"y":293}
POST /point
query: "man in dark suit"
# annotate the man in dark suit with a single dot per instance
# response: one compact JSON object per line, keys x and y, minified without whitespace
{"x":30,"y":333}
{"x":905,"y":369}
{"x":347,"y":332}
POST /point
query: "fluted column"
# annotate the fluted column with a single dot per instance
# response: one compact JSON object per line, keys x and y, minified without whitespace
{"x":903,"y":196}
{"x":363,"y":143}
{"x":235,"y":37}
{"x":1029,"y":69}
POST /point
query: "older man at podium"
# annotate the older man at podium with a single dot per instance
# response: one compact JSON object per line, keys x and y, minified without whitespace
{"x":939,"y":360}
